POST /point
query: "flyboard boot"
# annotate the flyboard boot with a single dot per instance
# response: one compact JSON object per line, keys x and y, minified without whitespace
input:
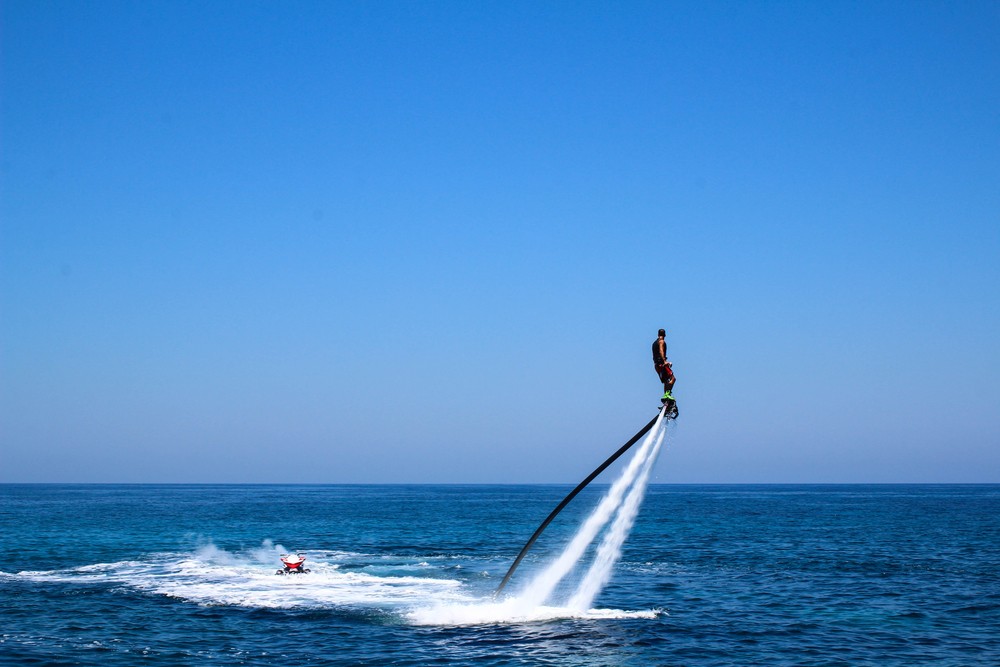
{"x":670,"y":405}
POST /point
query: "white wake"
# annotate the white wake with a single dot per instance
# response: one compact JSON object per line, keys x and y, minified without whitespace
{"x":420,"y":590}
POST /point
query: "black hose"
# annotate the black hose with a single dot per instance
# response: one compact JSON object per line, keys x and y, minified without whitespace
{"x":572,"y":494}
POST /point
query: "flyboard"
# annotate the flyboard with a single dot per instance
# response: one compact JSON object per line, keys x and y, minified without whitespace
{"x":670,"y":405}
{"x":670,"y":412}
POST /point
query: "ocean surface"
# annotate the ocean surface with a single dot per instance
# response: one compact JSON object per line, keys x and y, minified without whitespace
{"x":403,"y":575}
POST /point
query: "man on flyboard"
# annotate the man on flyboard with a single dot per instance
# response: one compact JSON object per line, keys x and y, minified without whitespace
{"x":663,"y":366}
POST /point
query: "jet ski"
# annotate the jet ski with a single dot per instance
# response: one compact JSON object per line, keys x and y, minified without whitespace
{"x":294,"y":564}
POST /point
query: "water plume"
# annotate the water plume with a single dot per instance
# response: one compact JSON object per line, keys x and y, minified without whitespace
{"x":621,"y":502}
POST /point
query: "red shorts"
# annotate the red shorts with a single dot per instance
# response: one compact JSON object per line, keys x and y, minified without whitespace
{"x":665,"y":372}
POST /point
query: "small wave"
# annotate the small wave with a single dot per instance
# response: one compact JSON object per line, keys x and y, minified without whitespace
{"x":512,"y":612}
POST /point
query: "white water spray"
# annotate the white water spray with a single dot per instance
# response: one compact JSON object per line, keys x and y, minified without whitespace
{"x":619,"y":507}
{"x":624,"y":507}
{"x":611,"y":546}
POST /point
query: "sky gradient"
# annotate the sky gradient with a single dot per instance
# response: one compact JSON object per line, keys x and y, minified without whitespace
{"x":433,"y":241}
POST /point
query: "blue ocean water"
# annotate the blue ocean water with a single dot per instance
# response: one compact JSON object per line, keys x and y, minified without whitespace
{"x":402,"y":575}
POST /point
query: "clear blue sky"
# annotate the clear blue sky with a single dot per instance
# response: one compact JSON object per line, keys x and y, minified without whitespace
{"x":433,"y":241}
